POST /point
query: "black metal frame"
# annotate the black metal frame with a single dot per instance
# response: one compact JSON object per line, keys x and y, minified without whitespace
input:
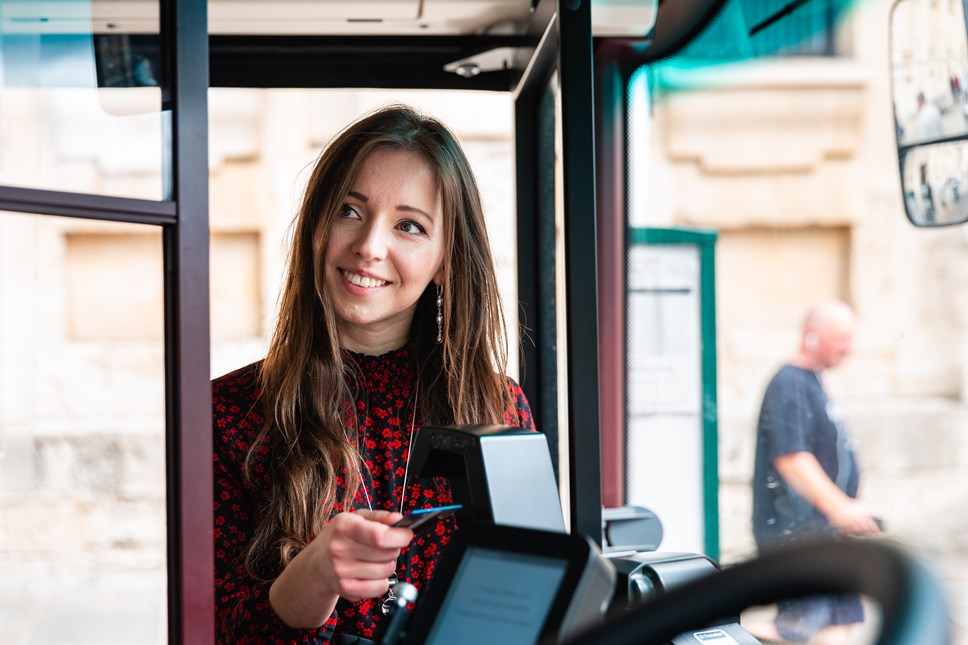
{"x":578,"y":121}
{"x":101,"y":207}
{"x":557,"y":41}
{"x":191,"y":557}
{"x":392,"y":62}
{"x":564,"y":49}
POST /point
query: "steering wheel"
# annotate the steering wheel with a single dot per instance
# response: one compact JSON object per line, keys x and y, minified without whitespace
{"x":912,"y":604}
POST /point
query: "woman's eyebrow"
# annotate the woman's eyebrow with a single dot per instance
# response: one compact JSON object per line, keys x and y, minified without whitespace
{"x":413,"y":209}
{"x":401,"y":207}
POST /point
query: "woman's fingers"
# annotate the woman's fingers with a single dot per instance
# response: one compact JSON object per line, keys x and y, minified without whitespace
{"x":372,"y":529}
{"x":364,"y":571}
{"x":347,"y":548}
{"x":353,"y":590}
{"x":383,"y":517}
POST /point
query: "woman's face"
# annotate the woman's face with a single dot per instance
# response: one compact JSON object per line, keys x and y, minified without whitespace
{"x":385,"y":247}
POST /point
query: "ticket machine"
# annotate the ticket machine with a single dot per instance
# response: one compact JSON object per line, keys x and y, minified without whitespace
{"x":499,"y":474}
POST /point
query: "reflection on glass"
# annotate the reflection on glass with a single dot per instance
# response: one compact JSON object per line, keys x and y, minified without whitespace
{"x":128,"y":60}
{"x":82,"y":433}
{"x":930,"y":70}
{"x":936,"y":184}
{"x":64,"y":122}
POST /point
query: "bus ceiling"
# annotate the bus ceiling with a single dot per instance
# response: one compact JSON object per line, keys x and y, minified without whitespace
{"x":337,"y":17}
{"x":431,"y":44}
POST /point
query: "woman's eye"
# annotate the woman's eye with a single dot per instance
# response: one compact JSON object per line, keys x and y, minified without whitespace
{"x":412,"y":227}
{"x":349,"y":211}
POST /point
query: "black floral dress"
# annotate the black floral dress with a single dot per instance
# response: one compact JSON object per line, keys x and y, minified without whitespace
{"x":385,"y":413}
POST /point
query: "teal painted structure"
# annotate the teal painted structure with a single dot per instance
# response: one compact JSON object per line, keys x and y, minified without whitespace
{"x":705,"y":243}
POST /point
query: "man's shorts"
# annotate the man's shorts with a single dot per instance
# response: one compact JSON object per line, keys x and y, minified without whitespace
{"x":800,"y":620}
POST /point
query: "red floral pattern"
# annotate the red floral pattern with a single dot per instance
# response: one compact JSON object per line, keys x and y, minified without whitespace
{"x":385,"y":409}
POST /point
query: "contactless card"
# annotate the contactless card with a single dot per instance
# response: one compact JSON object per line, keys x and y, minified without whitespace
{"x":423,"y":516}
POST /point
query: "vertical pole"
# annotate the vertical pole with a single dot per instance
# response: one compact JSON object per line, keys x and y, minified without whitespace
{"x":611,"y":173}
{"x":710,"y":405}
{"x":578,"y":162}
{"x":187,"y":366}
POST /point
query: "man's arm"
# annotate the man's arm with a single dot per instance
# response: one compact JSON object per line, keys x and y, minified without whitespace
{"x":806,"y":476}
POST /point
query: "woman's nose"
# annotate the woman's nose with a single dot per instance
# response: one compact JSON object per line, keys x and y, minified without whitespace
{"x":371,"y":242}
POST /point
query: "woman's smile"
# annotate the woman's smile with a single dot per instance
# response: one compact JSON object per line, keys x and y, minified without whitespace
{"x":362,"y":280}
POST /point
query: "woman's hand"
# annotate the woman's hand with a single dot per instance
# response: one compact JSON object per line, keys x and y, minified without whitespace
{"x":357,"y":552}
{"x":352,"y":557}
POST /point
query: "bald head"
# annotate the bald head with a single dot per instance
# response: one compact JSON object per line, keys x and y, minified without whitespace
{"x":828,"y":334}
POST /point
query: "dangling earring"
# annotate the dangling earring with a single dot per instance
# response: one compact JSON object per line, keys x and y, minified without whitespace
{"x":440,"y":314}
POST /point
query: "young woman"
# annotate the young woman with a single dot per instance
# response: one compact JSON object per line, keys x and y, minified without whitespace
{"x":389,"y":319}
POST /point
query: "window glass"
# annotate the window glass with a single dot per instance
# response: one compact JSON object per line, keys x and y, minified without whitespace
{"x":80,"y":106}
{"x":82,"y":433}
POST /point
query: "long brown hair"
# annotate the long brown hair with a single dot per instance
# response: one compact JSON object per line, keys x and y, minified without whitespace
{"x":307,"y":385}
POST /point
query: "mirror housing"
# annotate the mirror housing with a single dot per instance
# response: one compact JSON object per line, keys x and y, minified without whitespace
{"x":676,"y":24}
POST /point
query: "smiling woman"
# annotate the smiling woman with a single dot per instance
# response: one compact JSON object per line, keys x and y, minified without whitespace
{"x":389,"y":319}
{"x":384,"y":249}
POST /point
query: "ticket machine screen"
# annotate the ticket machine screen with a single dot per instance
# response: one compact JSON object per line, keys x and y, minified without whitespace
{"x":498,"y":597}
{"x":513,"y":586}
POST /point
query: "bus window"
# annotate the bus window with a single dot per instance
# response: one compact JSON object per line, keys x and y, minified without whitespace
{"x":73,"y":129}
{"x":82,"y":432}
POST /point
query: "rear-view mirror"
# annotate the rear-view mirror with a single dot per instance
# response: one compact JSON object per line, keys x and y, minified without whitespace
{"x":929,"y":61}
